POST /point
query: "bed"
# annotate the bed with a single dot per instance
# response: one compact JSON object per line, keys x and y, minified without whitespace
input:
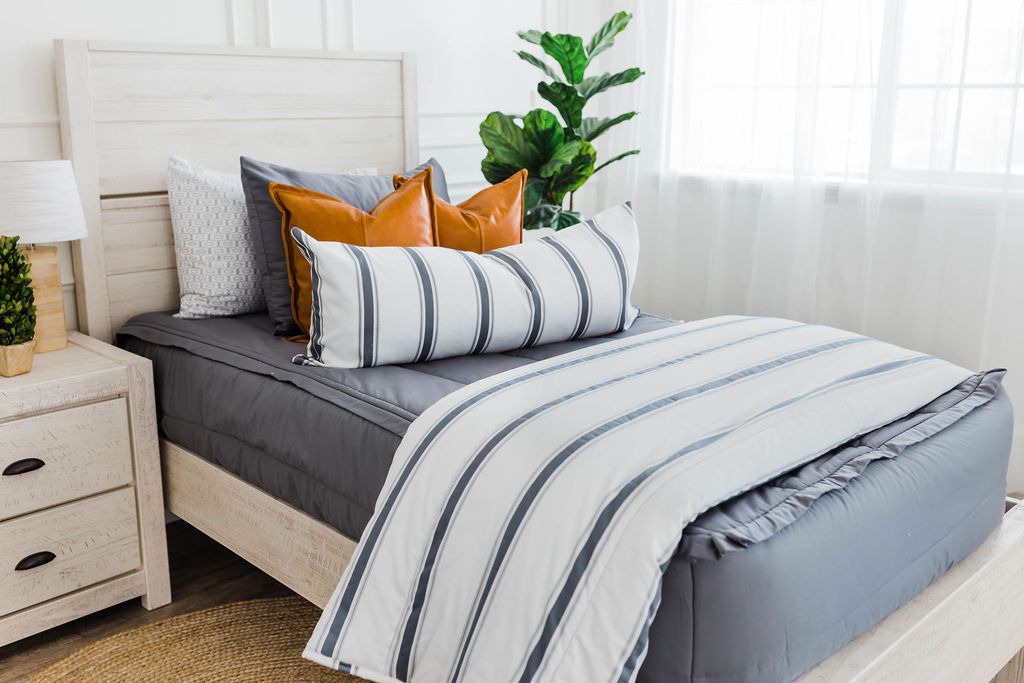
{"x":264,"y":494}
{"x":766,"y":606}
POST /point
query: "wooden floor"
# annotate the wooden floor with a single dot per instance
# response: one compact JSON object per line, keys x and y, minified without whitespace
{"x":203,"y":574}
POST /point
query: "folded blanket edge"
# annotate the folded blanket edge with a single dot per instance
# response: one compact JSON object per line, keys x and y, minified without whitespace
{"x":717,"y":532}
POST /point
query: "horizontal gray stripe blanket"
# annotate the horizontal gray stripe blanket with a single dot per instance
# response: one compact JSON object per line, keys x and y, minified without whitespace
{"x":527,"y":518}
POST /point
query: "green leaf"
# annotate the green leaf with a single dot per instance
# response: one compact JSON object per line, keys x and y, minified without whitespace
{"x":598,"y":84}
{"x":544,"y":132}
{"x":542,"y":216}
{"x":562,"y":156}
{"x":540,"y":64}
{"x":566,"y":219}
{"x":530,"y":36}
{"x":555,"y":146}
{"x":565,"y":99}
{"x":551,"y":216}
{"x":592,"y":127}
{"x":605,"y":36}
{"x":567,"y":50}
{"x":533,"y":194}
{"x":495,"y":171}
{"x":506,"y":142}
{"x":572,"y":175}
{"x":617,"y":157}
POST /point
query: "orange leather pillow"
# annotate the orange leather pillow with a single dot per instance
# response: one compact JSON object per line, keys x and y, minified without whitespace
{"x":490,"y":219}
{"x":405,"y":218}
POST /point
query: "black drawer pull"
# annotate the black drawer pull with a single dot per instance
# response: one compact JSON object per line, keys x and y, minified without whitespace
{"x":22,"y":466}
{"x":34,"y":560}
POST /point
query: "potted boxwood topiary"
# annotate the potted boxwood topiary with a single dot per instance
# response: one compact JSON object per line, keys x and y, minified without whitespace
{"x":17,"y":310}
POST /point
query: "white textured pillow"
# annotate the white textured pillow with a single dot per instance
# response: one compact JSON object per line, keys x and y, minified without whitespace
{"x":217,"y":270}
{"x":384,"y":305}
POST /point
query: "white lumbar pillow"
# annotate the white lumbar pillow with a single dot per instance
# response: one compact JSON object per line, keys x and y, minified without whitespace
{"x":217,"y":270}
{"x":385,"y":305}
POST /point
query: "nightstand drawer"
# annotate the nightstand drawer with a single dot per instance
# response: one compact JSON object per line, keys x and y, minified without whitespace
{"x":66,"y":548}
{"x":62,"y":456}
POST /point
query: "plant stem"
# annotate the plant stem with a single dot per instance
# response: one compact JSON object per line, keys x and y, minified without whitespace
{"x":571,"y":194}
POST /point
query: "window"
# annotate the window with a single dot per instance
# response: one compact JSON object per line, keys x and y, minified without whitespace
{"x":820,"y":88}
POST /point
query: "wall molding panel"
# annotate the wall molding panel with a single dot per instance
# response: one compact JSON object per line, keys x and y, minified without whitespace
{"x":338,"y":29}
{"x":248,"y":23}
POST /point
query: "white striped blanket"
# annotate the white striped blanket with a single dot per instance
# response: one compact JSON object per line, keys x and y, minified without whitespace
{"x":527,"y":518}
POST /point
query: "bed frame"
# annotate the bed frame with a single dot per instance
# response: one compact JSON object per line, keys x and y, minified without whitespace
{"x":126,"y":107}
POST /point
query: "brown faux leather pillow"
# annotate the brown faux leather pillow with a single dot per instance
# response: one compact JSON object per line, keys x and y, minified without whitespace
{"x":490,"y":219}
{"x":405,"y":218}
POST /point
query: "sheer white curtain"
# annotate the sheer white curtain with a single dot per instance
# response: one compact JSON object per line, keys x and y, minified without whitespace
{"x":853,"y":162}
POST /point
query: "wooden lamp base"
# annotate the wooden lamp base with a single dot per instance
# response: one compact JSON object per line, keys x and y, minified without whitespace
{"x":51,"y":331}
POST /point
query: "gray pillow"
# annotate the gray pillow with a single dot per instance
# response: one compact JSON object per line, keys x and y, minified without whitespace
{"x":218,"y":273}
{"x":363,"y":191}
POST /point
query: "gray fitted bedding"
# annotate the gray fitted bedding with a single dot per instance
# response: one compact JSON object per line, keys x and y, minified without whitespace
{"x":763,"y":586}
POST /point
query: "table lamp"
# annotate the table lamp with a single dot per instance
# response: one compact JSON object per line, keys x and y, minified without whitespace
{"x":39,"y":202}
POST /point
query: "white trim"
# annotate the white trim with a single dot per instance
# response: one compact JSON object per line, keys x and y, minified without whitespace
{"x":263,"y":23}
{"x":228,"y":50}
{"x":40,"y":122}
{"x":452,"y":114}
{"x":446,"y":141}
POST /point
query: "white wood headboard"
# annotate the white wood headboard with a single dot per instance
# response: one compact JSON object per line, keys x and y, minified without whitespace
{"x":125,"y":108}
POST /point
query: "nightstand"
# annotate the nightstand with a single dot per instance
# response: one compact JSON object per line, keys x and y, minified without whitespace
{"x":81,"y":503}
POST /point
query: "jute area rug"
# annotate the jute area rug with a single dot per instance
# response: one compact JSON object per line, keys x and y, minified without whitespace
{"x":256,"y":640}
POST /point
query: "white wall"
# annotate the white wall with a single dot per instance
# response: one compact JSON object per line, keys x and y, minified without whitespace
{"x":464,"y":57}
{"x":465,"y":69}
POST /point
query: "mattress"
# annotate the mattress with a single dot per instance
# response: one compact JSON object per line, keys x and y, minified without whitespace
{"x":762,"y":587}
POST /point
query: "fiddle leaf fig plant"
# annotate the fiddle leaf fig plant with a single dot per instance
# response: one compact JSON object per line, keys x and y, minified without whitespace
{"x":557,"y":150}
{"x":17,"y":301}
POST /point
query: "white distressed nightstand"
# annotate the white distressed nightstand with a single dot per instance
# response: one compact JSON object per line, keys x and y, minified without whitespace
{"x":81,"y":504}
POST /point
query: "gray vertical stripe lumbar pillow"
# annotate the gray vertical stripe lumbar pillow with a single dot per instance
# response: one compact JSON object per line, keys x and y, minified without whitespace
{"x":360,"y":188}
{"x":384,"y":305}
{"x":217,"y":270}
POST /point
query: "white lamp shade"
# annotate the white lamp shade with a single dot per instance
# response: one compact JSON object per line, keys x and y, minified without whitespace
{"x":39,"y":201}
